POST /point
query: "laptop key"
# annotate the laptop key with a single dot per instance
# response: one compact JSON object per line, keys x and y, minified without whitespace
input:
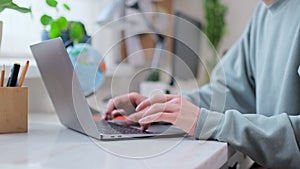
{"x":114,"y":128}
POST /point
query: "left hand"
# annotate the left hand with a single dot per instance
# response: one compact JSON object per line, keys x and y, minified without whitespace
{"x":169,"y":108}
{"x":123,"y":105}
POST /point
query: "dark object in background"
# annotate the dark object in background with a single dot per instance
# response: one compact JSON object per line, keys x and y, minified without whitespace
{"x":186,"y":45}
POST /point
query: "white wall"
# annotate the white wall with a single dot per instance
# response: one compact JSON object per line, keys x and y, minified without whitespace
{"x":239,"y":13}
{"x":21,"y":30}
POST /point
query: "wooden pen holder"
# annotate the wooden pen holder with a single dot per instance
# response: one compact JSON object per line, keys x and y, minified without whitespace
{"x":13,"y":109}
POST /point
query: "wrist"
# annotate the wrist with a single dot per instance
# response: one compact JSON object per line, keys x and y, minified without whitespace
{"x":192,"y":130}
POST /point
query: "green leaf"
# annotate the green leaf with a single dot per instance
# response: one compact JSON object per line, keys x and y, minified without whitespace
{"x":46,"y":19}
{"x":154,"y":75}
{"x":62,"y":23}
{"x":9,"y":4}
{"x":76,"y":32}
{"x":54,"y":31}
{"x":67,"y":7}
{"x":52,"y":3}
{"x":5,"y":4}
{"x":215,"y":13}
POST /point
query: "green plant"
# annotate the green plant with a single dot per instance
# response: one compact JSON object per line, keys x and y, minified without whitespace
{"x":9,"y":4}
{"x":214,"y":29}
{"x":57,"y":26}
{"x":215,"y":26}
{"x":154,"y":75}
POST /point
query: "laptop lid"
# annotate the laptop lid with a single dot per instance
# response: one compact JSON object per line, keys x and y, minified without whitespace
{"x":63,"y":86}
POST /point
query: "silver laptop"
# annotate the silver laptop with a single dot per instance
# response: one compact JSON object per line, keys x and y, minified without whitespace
{"x":70,"y":103}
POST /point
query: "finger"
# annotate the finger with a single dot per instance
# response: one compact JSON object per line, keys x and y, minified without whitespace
{"x":134,"y":118}
{"x":136,"y":98}
{"x":110,"y":106}
{"x":155,"y":99}
{"x":109,"y":109}
{"x":107,"y":116}
{"x":161,"y":107}
{"x":162,"y":116}
{"x":117,"y":112}
{"x":123,"y":102}
{"x":145,"y":127}
{"x":128,"y":102}
{"x":117,"y":102}
{"x":148,"y":102}
{"x":156,"y":108}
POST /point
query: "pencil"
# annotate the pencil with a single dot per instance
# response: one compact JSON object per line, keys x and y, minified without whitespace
{"x":2,"y":75}
{"x":23,"y":74}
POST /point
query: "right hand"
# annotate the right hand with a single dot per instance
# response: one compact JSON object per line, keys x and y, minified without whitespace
{"x":123,"y":105}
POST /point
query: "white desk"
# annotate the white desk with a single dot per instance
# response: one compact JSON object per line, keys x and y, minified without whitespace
{"x":50,"y":145}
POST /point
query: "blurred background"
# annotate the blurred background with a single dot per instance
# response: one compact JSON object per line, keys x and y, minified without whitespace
{"x":126,"y":45}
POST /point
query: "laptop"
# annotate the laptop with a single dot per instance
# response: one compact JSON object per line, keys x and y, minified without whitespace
{"x":70,"y":103}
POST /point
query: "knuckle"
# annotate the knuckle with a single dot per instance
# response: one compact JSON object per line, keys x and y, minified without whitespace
{"x":113,"y":100}
{"x":110,"y":101}
{"x":158,"y":97}
{"x":133,"y":94}
{"x":156,"y":106}
{"x":177,"y":100}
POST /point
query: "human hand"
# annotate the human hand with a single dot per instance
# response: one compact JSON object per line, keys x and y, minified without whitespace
{"x":169,"y":108}
{"x":122,"y":105}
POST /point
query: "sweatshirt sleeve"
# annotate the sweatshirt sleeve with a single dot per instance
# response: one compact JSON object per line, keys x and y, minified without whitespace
{"x":270,"y":141}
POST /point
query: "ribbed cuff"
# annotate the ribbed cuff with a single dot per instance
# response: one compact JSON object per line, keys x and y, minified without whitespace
{"x":208,"y":124}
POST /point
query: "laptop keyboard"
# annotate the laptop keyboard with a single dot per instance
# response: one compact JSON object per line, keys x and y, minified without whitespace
{"x":113,"y":128}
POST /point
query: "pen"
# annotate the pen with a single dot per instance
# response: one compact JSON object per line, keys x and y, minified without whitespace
{"x":23,"y":74}
{"x":12,"y":80}
{"x":2,"y":76}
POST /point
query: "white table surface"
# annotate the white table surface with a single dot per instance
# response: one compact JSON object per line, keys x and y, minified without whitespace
{"x":50,"y":145}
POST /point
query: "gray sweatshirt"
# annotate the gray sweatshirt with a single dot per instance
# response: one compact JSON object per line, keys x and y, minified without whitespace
{"x":253,"y":100}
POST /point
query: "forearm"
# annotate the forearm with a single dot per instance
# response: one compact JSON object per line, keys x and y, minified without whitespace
{"x":270,"y":141}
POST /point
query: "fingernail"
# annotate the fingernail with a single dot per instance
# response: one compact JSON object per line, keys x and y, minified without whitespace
{"x":107,"y":117}
{"x":138,"y":108}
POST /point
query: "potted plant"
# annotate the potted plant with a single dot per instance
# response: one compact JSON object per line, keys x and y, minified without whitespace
{"x":9,"y":4}
{"x":70,"y":31}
